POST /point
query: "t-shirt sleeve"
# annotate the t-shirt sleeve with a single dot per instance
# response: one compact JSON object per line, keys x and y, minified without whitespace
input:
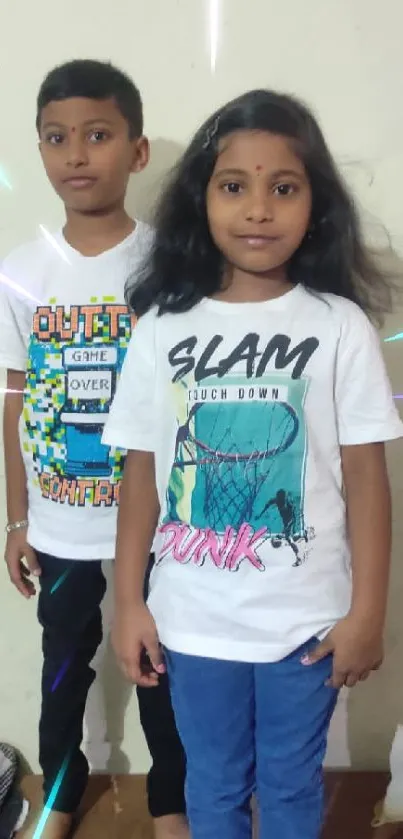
{"x":366,"y":411}
{"x":131,"y":420}
{"x":15,"y":321}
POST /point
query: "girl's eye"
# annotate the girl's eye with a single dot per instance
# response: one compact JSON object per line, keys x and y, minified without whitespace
{"x":284,"y":189}
{"x":55,"y":139}
{"x":233,"y":188}
{"x":97,"y":136}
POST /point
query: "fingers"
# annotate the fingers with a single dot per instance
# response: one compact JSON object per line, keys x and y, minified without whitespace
{"x":154,"y":652}
{"x":19,"y":576}
{"x":320,"y":652}
{"x":338,"y":679}
{"x":350,"y":678}
{"x":32,"y":562}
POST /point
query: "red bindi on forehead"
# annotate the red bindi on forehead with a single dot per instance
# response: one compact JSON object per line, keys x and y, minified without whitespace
{"x":259,"y":167}
{"x":73,"y":130}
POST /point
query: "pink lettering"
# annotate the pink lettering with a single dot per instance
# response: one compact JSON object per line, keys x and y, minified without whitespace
{"x":215,"y":547}
{"x":225,"y":550}
{"x":182,"y":541}
{"x":247,"y":541}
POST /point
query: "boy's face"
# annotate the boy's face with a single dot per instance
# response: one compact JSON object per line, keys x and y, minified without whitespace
{"x":88,"y":154}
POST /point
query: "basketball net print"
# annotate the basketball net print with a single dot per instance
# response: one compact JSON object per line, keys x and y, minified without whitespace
{"x":238,"y":474}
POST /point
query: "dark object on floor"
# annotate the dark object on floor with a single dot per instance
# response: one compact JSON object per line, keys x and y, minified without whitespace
{"x":13,"y":808}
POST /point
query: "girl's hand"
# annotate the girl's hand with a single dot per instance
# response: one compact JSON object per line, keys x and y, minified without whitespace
{"x":17,"y":550}
{"x":136,"y":644}
{"x":357,"y":648}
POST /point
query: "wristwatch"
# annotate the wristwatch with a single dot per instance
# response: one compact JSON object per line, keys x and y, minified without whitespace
{"x":16,"y":525}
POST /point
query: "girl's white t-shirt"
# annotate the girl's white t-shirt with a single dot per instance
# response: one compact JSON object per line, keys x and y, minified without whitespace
{"x":63,"y":320}
{"x":246,"y":407}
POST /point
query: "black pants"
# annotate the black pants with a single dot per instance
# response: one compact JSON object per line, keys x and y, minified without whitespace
{"x":69,"y":612}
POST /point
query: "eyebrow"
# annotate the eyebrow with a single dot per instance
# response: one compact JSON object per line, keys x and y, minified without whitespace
{"x":86,"y":124}
{"x":278,"y":173}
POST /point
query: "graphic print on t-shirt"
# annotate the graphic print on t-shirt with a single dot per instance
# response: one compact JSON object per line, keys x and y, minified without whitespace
{"x":238,"y":476}
{"x":75,"y":357}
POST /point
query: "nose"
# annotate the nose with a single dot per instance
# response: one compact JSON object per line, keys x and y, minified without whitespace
{"x":77,"y":154}
{"x":260,"y":206}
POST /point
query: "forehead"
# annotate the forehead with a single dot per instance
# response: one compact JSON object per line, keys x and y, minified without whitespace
{"x":79,"y":110}
{"x":248,"y":149}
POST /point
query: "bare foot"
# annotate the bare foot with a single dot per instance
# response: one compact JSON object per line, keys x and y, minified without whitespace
{"x":57,"y":826}
{"x":171,"y":827}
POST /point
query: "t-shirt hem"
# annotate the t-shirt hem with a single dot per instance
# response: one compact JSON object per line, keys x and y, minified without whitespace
{"x":7,"y":363}
{"x":122,"y":441}
{"x":224,"y":650}
{"x":375,"y":434}
{"x":66,"y":550}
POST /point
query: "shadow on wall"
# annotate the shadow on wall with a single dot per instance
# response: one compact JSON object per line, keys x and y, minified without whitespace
{"x":375,"y":709}
{"x":145,"y":188}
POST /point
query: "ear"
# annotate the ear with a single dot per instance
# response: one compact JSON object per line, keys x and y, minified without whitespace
{"x":141,"y":154}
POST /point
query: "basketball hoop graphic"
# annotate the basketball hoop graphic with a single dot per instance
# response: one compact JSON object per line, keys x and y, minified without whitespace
{"x":229,"y":445}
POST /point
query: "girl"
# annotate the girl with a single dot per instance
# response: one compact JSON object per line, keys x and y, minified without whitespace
{"x":255,"y":404}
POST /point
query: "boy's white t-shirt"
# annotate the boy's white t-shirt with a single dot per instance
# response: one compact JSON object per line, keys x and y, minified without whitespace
{"x":246,"y":407}
{"x":63,"y":320}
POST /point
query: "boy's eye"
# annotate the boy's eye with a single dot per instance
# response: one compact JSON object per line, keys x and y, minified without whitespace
{"x":97,"y":136}
{"x":284,"y":189}
{"x":232,"y":187}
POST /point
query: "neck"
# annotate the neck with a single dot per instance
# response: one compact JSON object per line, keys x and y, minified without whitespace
{"x":92,"y":234}
{"x":243,"y":287}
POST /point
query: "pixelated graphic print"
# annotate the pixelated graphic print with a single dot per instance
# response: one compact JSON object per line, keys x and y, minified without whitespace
{"x":75,"y":357}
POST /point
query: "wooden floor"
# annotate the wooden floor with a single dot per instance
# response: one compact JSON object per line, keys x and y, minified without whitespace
{"x":116,"y":808}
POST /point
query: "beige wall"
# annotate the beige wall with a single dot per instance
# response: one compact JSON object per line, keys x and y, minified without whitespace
{"x":344,"y":57}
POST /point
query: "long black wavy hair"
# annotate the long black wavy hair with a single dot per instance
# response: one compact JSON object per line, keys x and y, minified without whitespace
{"x":185,"y":265}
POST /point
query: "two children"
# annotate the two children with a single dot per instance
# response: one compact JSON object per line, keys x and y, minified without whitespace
{"x":64,"y":331}
{"x":255,"y":405}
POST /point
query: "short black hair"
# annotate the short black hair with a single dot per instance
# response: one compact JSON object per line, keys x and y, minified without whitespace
{"x":93,"y":80}
{"x":185,"y":265}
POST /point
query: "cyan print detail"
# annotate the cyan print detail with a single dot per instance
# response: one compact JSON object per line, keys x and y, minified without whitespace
{"x":75,"y":357}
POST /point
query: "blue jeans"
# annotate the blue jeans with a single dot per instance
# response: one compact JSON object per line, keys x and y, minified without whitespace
{"x":253,"y":728}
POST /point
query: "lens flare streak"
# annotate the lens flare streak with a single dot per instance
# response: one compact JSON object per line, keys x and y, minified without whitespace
{"x":60,"y":580}
{"x":52,"y":241}
{"x":61,"y":674}
{"x":52,"y":798}
{"x":4,"y":181}
{"x":214,"y":25}
{"x":18,"y":288}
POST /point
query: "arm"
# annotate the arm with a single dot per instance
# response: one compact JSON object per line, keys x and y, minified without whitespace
{"x":366,"y":418}
{"x":16,"y":488}
{"x":137,"y":523}
{"x":134,"y":631}
{"x":16,"y":484}
{"x":131,"y":426}
{"x":369,"y":526}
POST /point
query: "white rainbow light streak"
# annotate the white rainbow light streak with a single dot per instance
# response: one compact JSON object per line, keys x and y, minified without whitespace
{"x":19,"y":288}
{"x":51,"y":239}
{"x":4,"y":181}
{"x":214,"y":25}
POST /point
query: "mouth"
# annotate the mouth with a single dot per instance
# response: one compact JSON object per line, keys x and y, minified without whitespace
{"x":259,"y":241}
{"x":80,"y":182}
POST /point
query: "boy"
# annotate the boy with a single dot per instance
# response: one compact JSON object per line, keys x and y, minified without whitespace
{"x":64,"y":330}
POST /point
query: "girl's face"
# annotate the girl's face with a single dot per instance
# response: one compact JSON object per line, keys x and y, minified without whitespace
{"x":259,"y":201}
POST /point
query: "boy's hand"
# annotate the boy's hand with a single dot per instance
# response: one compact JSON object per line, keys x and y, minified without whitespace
{"x":357,"y":648}
{"x":17,"y":549}
{"x":136,"y":644}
